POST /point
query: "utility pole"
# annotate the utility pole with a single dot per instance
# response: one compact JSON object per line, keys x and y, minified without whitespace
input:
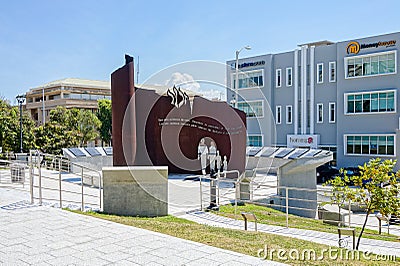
{"x":20,"y":99}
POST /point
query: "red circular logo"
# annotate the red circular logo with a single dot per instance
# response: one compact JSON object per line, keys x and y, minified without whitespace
{"x":310,"y":140}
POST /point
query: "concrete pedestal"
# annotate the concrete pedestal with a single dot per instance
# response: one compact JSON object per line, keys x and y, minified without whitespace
{"x":299,"y":177}
{"x":136,"y":190}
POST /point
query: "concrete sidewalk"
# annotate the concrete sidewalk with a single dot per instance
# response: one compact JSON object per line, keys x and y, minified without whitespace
{"x":39,"y":235}
{"x":370,"y":245}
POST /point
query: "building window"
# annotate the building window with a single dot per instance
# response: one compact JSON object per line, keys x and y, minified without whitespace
{"x":249,"y":79}
{"x":252,"y":109}
{"x":371,"y":65}
{"x":289,"y":113}
{"x":370,"y":144}
{"x":289,"y":76}
{"x":278,"y":114}
{"x":320,"y":113}
{"x":332,"y":71}
{"x":278,"y":78}
{"x":254,"y":141}
{"x":54,"y":97}
{"x":320,"y":73}
{"x":370,"y":102}
{"x":332,"y":112}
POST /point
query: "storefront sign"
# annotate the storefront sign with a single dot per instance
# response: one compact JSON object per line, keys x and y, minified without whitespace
{"x":249,"y":64}
{"x":355,"y":47}
{"x":295,"y":141}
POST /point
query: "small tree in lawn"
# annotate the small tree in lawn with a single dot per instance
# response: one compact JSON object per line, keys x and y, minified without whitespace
{"x":341,"y":192}
{"x":376,"y":188}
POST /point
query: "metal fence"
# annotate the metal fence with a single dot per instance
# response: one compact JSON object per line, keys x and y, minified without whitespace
{"x":263,"y":190}
{"x":56,"y":180}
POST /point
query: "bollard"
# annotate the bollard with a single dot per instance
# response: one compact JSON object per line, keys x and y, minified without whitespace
{"x":59,"y":181}
{"x":83,"y":205}
{"x":287,"y":207}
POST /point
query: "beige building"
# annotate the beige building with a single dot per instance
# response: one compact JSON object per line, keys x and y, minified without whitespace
{"x":69,"y":93}
{"x":77,"y":93}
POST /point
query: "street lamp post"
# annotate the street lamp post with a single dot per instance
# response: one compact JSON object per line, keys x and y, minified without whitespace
{"x":20,"y":99}
{"x":237,"y":74}
{"x":43,"y":108}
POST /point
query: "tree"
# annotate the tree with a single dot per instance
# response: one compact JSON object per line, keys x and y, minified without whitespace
{"x":88,"y":125}
{"x":67,"y":128}
{"x":104,"y":115}
{"x":83,"y":123}
{"x":56,"y":133}
{"x":10,"y":128}
{"x":52,"y":137}
{"x":4,"y":121}
{"x":377,"y":188}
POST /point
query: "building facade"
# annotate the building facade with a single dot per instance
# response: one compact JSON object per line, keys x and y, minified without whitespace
{"x":339,"y":96}
{"x":69,"y":93}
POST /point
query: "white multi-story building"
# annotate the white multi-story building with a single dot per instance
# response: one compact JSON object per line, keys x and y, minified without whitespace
{"x":339,"y":96}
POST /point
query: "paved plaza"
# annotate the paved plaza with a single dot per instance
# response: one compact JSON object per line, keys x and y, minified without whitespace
{"x":42,"y":235}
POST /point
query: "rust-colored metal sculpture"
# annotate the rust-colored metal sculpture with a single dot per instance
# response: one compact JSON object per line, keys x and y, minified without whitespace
{"x":153,"y":129}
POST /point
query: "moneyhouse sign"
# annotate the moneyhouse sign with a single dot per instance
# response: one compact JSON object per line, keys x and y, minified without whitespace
{"x":355,"y":47}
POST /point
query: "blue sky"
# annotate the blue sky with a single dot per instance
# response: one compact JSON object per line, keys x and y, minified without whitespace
{"x":45,"y":40}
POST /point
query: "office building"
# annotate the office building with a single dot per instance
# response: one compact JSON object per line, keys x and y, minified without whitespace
{"x":341,"y":96}
{"x":69,"y":93}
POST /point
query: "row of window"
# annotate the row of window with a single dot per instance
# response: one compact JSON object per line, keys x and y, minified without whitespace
{"x":320,"y":74}
{"x":355,"y":66}
{"x":370,"y":102}
{"x":255,"y":109}
{"x":370,"y":144}
{"x":254,"y":78}
{"x":369,"y":65}
{"x":79,"y":96}
{"x":320,"y":113}
{"x":249,"y":79}
{"x":355,"y":103}
{"x":252,"y":109}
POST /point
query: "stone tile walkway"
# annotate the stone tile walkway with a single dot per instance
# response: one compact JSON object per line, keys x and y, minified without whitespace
{"x":40,"y":235}
{"x":370,"y":245}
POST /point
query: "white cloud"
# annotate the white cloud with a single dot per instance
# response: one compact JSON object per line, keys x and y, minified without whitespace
{"x":187,"y":82}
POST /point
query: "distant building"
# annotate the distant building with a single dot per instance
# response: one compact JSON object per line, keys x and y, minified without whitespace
{"x":69,"y":93}
{"x":76,"y":93}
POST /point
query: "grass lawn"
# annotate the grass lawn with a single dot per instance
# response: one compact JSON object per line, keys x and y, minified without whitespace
{"x":274,"y":217}
{"x":245,"y":242}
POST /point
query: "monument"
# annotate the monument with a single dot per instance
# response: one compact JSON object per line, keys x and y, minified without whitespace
{"x":155,"y":134}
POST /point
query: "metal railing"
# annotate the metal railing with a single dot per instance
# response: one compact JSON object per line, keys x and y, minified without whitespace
{"x":55,"y":179}
{"x":287,"y":201}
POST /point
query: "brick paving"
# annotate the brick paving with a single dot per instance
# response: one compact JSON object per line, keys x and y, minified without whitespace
{"x":43,"y":235}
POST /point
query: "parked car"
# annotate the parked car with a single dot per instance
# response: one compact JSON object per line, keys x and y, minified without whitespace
{"x":326,"y":172}
{"x":352,"y":171}
{"x":355,"y":171}
{"x":394,"y":219}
